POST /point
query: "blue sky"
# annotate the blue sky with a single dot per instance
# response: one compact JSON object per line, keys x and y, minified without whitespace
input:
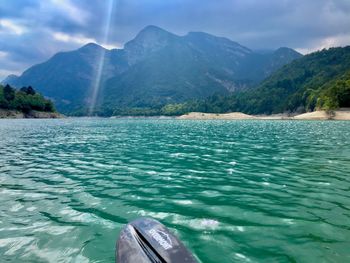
{"x":31,"y":31}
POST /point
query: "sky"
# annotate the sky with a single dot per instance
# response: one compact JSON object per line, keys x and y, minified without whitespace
{"x":31,"y":31}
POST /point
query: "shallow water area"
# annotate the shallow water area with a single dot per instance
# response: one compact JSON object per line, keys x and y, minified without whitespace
{"x":233,"y":191}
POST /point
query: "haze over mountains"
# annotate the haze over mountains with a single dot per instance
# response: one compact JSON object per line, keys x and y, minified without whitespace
{"x":317,"y":81}
{"x":155,"y":68}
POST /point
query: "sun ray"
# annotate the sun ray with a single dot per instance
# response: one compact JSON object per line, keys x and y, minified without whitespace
{"x":96,"y":83}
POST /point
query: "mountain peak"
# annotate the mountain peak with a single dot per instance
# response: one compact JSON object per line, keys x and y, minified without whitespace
{"x":153,"y":28}
{"x":152,"y":33}
{"x":286,"y":50}
{"x":148,"y":40}
{"x":91,"y":47}
{"x":9,"y":79}
{"x":155,"y":68}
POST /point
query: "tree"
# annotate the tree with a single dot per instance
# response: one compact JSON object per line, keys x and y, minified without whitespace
{"x":24,"y":90}
{"x":9,"y":93}
{"x":49,"y":106}
{"x":30,"y":91}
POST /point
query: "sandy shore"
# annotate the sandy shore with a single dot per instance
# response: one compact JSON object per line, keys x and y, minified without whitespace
{"x":323,"y":115}
{"x":316,"y":115}
{"x":214,"y":116}
{"x":13,"y":114}
{"x":343,"y":114}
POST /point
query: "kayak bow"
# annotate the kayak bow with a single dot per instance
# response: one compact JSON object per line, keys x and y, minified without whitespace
{"x":146,"y":240}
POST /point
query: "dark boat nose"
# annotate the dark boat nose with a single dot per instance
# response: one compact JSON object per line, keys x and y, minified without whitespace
{"x":146,"y":240}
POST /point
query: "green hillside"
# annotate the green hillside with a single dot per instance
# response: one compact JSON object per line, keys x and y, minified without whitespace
{"x":333,"y":94}
{"x":320,"y":80}
{"x":298,"y":86}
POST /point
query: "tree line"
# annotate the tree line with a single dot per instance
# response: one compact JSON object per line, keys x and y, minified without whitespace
{"x":25,"y":100}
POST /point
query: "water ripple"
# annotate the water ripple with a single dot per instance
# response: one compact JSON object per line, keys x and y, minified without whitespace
{"x":234,"y":191}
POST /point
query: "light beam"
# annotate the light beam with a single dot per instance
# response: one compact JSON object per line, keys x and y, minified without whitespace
{"x":96,"y":83}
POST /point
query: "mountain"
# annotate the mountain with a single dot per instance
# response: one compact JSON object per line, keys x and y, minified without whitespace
{"x":68,"y":77}
{"x":299,"y":85}
{"x":320,"y":80}
{"x":155,"y":68}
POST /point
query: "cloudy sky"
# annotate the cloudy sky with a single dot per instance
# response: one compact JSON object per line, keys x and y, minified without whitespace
{"x":31,"y":31}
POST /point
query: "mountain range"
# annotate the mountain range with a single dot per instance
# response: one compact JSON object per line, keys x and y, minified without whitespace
{"x":153,"y":69}
{"x":320,"y":80}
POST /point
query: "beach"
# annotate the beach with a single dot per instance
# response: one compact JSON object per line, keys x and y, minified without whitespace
{"x":341,"y":114}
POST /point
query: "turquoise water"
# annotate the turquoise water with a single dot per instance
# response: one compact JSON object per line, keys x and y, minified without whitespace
{"x":233,"y":191}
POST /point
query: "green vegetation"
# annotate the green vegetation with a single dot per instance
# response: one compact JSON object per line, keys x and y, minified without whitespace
{"x":24,"y":100}
{"x":306,"y":92}
{"x":320,"y":80}
{"x":334,"y":94}
{"x":302,"y":84}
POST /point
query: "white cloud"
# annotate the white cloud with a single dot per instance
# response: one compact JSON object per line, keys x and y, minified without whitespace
{"x":336,"y":41}
{"x":9,"y":26}
{"x":328,"y":42}
{"x":3,"y":54}
{"x":81,"y":40}
{"x":111,"y":46}
{"x":78,"y":39}
{"x":76,"y":14}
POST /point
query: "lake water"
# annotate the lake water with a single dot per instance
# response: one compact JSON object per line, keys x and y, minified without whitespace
{"x":233,"y":191}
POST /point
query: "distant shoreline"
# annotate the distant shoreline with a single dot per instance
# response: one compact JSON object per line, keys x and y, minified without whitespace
{"x":342,"y":114}
{"x":13,"y":114}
